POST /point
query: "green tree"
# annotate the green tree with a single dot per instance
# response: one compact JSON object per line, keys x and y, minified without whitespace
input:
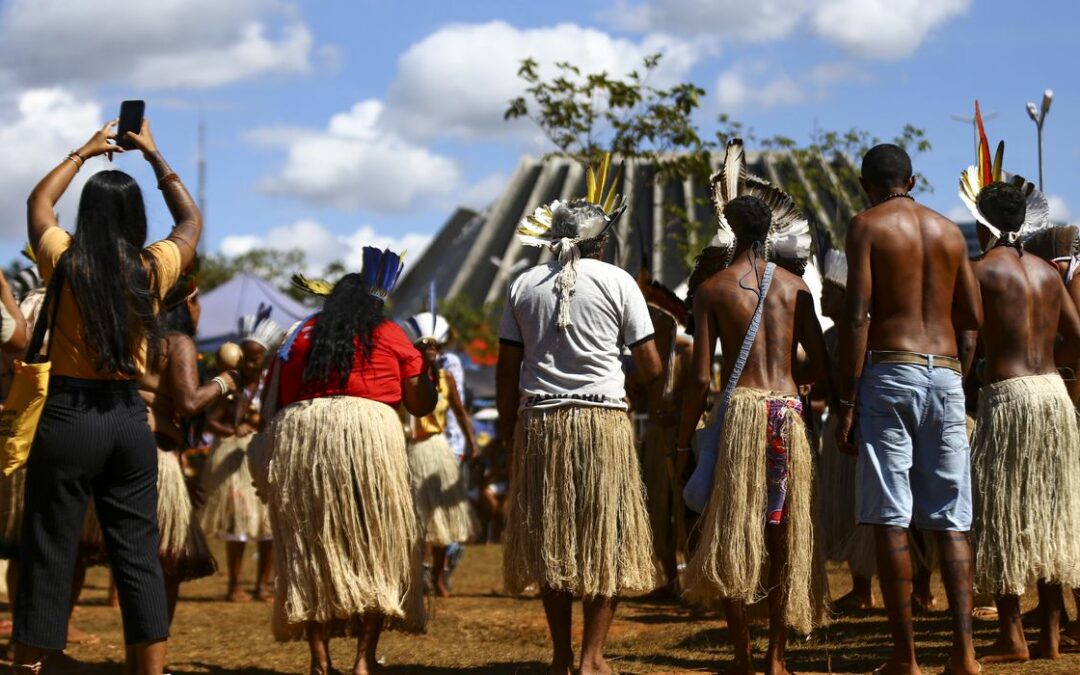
{"x":586,"y":114}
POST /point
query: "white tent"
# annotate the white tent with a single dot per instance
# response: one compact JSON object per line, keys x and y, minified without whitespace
{"x":241,"y":295}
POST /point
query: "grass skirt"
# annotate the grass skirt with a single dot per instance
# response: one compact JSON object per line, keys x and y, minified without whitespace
{"x":233,"y":510}
{"x":440,"y":493}
{"x":660,"y":440}
{"x":183,"y":551}
{"x":345,"y":532}
{"x":577,"y":520}
{"x":731,"y":560}
{"x":11,"y":513}
{"x":841,"y":538}
{"x":1025,"y":459}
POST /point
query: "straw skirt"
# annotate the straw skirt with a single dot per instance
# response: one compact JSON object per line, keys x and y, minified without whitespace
{"x":731,"y":560}
{"x":183,"y":551}
{"x":440,"y":493}
{"x":659,"y":499}
{"x":345,"y":531}
{"x":841,"y":538}
{"x":233,"y":510}
{"x":1025,"y":458}
{"x":577,"y":519}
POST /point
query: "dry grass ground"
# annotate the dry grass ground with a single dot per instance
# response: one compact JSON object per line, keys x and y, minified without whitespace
{"x":482,"y":631}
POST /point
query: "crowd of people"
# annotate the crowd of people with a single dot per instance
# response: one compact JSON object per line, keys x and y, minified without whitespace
{"x":929,"y":428}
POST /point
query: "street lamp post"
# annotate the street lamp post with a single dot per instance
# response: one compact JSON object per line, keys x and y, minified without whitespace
{"x":1038,"y":116}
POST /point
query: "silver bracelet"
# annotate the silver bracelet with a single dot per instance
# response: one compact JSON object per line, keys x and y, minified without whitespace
{"x":220,"y":382}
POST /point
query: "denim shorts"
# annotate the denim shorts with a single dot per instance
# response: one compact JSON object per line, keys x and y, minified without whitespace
{"x":914,"y":465}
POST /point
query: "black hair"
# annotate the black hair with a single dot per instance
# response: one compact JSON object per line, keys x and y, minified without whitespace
{"x":176,"y":316}
{"x":887,"y":165}
{"x":114,"y":285}
{"x":749,"y":218}
{"x":592,"y":248}
{"x":1003,"y":205}
{"x":350,"y":316}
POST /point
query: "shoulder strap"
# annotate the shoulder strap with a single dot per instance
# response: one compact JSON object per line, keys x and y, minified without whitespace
{"x":46,"y":318}
{"x":748,"y":341}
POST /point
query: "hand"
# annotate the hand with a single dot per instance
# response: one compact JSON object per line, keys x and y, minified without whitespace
{"x":244,"y":429}
{"x":101,"y":143}
{"x":232,"y":379}
{"x":844,"y":420}
{"x":143,"y":140}
{"x":474,"y":454}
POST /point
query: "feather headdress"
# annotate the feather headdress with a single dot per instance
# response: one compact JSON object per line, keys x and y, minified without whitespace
{"x":789,"y":234}
{"x":261,"y":329}
{"x":984,"y":172}
{"x":381,"y":271}
{"x":563,"y":226}
{"x":426,"y":325}
{"x":836,"y":268}
{"x":660,"y":297}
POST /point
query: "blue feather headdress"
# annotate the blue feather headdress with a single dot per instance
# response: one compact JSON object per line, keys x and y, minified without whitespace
{"x":381,"y":271}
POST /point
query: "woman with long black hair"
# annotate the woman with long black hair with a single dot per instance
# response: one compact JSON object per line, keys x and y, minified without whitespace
{"x":338,"y":477}
{"x":93,"y":439}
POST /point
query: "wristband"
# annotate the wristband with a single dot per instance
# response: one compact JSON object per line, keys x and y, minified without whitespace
{"x":686,"y":449}
{"x":846,"y":403}
{"x":220,"y":382}
{"x":76,"y":159}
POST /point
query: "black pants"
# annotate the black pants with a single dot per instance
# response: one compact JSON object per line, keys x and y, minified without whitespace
{"x":93,"y":441}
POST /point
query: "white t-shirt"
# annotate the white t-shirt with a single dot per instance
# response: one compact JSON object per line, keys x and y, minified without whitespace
{"x":581,"y":364}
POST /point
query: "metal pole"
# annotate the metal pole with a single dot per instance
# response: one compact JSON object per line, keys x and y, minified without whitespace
{"x":1039,"y":132}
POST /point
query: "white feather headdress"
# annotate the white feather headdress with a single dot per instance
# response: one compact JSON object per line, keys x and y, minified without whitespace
{"x":983,"y":173}
{"x":836,"y":268}
{"x":789,"y":234}
{"x":563,"y":226}
{"x":261,"y":329}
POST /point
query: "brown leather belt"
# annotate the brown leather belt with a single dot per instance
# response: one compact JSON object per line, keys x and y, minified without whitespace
{"x":916,"y":359}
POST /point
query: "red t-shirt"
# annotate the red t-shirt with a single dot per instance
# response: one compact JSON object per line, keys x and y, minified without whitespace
{"x":393,"y":360}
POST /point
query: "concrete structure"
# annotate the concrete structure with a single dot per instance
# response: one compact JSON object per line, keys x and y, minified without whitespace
{"x":477,"y":254}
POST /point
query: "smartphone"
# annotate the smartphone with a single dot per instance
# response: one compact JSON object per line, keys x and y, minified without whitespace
{"x":131,"y":116}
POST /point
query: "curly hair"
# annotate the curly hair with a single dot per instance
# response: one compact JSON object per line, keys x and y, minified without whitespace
{"x":347,"y":321}
{"x":1003,"y":205}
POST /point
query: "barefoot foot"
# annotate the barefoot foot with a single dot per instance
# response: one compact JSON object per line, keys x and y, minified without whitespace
{"x":1002,"y":652}
{"x":854,"y":602}
{"x":238,"y":594}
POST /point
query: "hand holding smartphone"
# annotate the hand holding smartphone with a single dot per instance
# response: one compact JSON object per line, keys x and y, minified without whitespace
{"x":131,"y":119}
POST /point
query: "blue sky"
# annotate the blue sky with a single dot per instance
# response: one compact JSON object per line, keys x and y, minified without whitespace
{"x":332,"y":124}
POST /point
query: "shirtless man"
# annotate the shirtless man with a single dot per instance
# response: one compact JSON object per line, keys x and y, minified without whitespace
{"x":910,"y":292}
{"x":1026,"y":428}
{"x":172,"y":393}
{"x":764,"y":456}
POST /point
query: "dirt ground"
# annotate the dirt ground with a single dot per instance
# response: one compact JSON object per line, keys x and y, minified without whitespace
{"x":480,"y":630}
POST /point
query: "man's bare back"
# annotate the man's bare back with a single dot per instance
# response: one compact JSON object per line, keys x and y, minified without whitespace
{"x":787,"y":320}
{"x":918,"y":262}
{"x":1025,"y":304}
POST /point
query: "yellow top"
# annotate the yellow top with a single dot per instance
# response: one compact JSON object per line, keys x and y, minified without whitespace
{"x":435,"y":423}
{"x":69,"y":354}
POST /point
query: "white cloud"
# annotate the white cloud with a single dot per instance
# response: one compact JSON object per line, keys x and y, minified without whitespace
{"x":483,"y":193}
{"x":356,"y":162}
{"x":1059,"y":209}
{"x":761,"y":21}
{"x":735,"y":92}
{"x":160,"y":44}
{"x":37,"y":129}
{"x":883,"y":29}
{"x":322,"y":247}
{"x":756,"y":85}
{"x":459,"y":80}
{"x":877,"y":29}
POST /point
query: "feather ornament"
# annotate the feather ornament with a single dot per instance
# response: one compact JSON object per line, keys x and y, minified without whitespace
{"x":381,"y":271}
{"x":836,"y":268}
{"x":318,"y":287}
{"x":985,"y":168}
